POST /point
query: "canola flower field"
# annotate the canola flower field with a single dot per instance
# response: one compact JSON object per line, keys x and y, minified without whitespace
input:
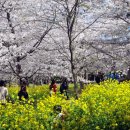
{"x":99,"y":107}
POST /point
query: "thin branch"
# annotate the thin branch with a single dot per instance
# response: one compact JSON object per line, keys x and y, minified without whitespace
{"x":36,"y":44}
{"x":124,"y":20}
{"x":86,"y":28}
{"x":13,"y":70}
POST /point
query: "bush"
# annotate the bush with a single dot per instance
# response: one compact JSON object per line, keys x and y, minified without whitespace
{"x":105,"y":106}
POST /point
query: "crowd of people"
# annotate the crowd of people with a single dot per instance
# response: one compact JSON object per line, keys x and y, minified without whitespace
{"x":99,"y":77}
{"x":4,"y":91}
{"x":23,"y":89}
{"x":114,"y":75}
{"x":63,"y":87}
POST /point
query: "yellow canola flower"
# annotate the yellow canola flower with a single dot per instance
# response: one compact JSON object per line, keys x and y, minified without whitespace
{"x":4,"y":125}
{"x":105,"y":103}
{"x":97,"y":128}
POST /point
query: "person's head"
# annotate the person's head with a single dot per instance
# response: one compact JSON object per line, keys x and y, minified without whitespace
{"x":2,"y":83}
{"x":53,"y":81}
{"x":57,"y":108}
{"x":23,"y":82}
{"x":112,"y":72}
{"x":99,"y":73}
{"x":64,"y":79}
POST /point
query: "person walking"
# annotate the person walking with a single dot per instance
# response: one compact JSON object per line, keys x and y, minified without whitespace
{"x":3,"y":92}
{"x":53,"y":87}
{"x":64,"y":87}
{"x":97,"y":78}
{"x":23,"y":91}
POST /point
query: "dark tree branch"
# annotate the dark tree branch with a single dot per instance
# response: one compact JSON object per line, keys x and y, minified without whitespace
{"x":36,"y":44}
{"x":86,"y":28}
{"x":14,"y":70}
{"x":34,"y":73}
{"x":124,"y":20}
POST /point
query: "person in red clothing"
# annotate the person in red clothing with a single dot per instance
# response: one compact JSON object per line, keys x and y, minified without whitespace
{"x":53,"y":86}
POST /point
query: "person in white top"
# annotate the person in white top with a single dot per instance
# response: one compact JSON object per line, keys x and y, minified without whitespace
{"x":3,"y":92}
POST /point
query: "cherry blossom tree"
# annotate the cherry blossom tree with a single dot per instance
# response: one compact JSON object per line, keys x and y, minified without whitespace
{"x":24,"y":26}
{"x":62,"y":37}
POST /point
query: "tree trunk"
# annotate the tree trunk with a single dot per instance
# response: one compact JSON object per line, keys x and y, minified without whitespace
{"x":74,"y":80}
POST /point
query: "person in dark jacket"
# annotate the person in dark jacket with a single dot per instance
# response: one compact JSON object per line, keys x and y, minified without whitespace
{"x":91,"y":77}
{"x":97,"y":79}
{"x":23,"y":91}
{"x":64,"y":87}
